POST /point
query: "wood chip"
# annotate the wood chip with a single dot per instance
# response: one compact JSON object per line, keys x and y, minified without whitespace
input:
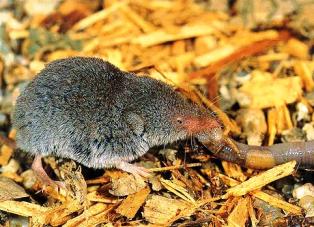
{"x":25,"y":209}
{"x":297,"y":48}
{"x":274,"y":201}
{"x":214,"y":55}
{"x":126,"y":185}
{"x":278,"y":120}
{"x":5,"y":154}
{"x":167,"y":40}
{"x":137,"y":19}
{"x":277,"y":202}
{"x":159,"y":209}
{"x":254,"y":220}
{"x":83,"y":219}
{"x":234,"y":171}
{"x":184,"y":32}
{"x":100,"y":15}
{"x":239,"y":214}
{"x":271,"y":122}
{"x":305,"y":72}
{"x":245,"y":51}
{"x":178,"y":190}
{"x":264,"y":91}
{"x":9,"y":190}
{"x":133,"y":203}
{"x":97,"y":197}
{"x":262,"y":179}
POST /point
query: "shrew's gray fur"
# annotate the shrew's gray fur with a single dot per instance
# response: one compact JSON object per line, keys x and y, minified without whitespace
{"x":88,"y":110}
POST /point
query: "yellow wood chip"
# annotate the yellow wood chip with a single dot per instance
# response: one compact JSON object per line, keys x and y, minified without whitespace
{"x":159,"y":209}
{"x":278,"y":120}
{"x":239,"y":214}
{"x":5,"y":154}
{"x":18,"y":34}
{"x":273,"y":57}
{"x":13,"y":176}
{"x":265,"y":197}
{"x":133,"y":203}
{"x":245,"y":37}
{"x":25,"y":209}
{"x":271,"y":122}
{"x":178,"y":190}
{"x":264,"y":91}
{"x":204,"y":43}
{"x":137,"y":19}
{"x":86,"y":215}
{"x":214,"y":55}
{"x":283,"y":119}
{"x":305,"y":72}
{"x":297,"y":48}
{"x":96,"y":197}
{"x":100,"y":15}
{"x":262,"y":179}
{"x":277,"y":202}
{"x":252,"y":214}
{"x":102,"y":217}
{"x":234,"y":171}
{"x":184,"y":32}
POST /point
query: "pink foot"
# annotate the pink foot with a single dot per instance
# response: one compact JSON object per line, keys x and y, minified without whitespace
{"x":133,"y":169}
{"x":43,"y":176}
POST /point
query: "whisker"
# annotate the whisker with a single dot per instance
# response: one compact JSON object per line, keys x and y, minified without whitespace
{"x":216,"y":99}
{"x":193,"y":139}
{"x":184,"y":158}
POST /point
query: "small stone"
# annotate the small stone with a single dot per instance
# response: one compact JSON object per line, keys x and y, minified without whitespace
{"x":307,"y":202}
{"x":253,"y":124}
{"x":302,"y":112}
{"x":304,"y":190}
{"x":309,"y":130}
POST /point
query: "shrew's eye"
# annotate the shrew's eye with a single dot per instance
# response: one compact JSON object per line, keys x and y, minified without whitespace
{"x":179,"y":120}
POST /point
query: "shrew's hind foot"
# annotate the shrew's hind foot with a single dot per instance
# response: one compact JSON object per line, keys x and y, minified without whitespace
{"x":43,"y":177}
{"x":133,"y":169}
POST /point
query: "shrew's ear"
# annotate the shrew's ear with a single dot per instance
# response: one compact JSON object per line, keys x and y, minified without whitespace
{"x":135,"y":122}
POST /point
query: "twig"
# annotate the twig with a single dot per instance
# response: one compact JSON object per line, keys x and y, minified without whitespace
{"x":161,"y":169}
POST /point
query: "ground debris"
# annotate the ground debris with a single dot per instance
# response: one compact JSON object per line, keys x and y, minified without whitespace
{"x":250,"y":62}
{"x":132,"y":203}
{"x":159,"y":209}
{"x":10,"y":190}
{"x":126,"y":184}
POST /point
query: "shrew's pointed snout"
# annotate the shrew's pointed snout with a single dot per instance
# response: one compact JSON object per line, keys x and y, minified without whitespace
{"x":207,"y":125}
